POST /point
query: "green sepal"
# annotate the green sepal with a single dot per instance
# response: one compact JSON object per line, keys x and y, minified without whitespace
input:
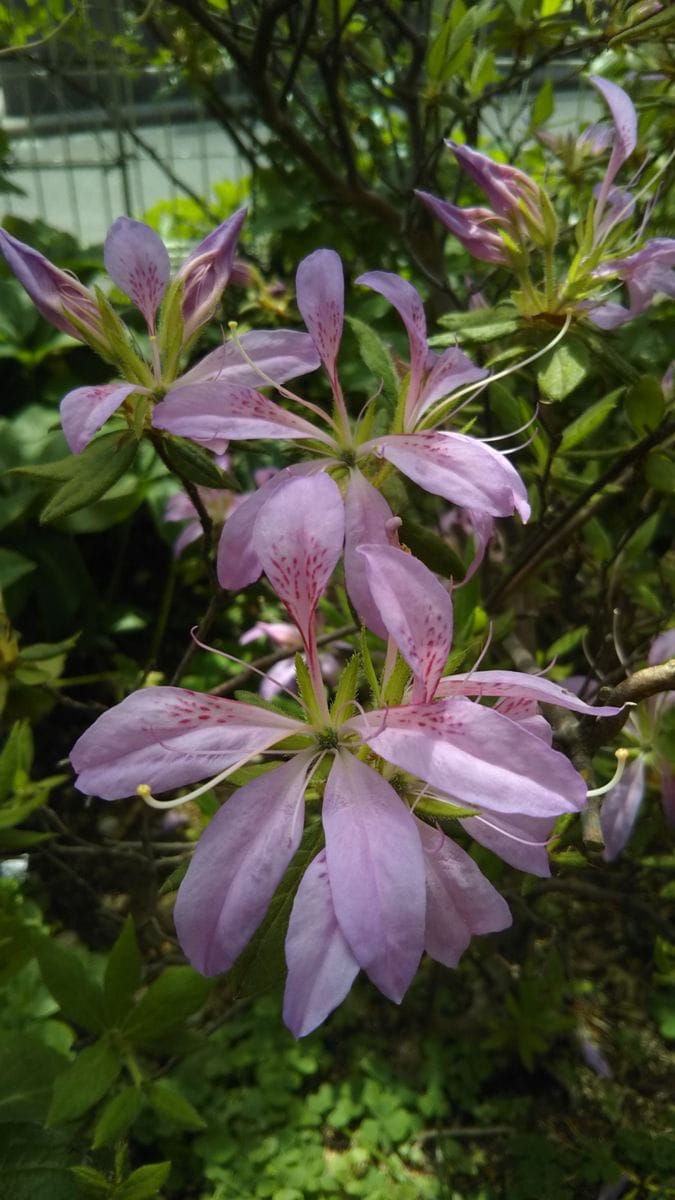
{"x":368,"y":668}
{"x":193,"y":462}
{"x":119,"y":346}
{"x":443,"y":808}
{"x":84,"y":1083}
{"x":347,"y":687}
{"x":171,"y":332}
{"x":306,"y":689}
{"x":392,"y":692}
{"x":95,"y":471}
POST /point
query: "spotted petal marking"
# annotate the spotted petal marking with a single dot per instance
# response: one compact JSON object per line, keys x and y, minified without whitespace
{"x":137,"y":261}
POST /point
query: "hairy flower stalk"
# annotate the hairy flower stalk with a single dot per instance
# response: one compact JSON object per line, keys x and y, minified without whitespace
{"x":387,"y":885}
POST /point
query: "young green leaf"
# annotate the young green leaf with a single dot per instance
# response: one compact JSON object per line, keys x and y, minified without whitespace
{"x":175,"y":995}
{"x":116,"y":1116}
{"x":79,"y":997}
{"x":144,"y":1183}
{"x":167,"y":1102}
{"x":104,"y":461}
{"x":84,"y":1083}
{"x":122,"y":975}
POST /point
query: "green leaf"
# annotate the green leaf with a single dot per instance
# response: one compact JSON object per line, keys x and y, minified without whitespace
{"x":167,"y":1102}
{"x":376,"y":356}
{"x":590,"y":420}
{"x":122,"y":975}
{"x":13,"y":567}
{"x":91,"y":1183}
{"x":564,"y":369}
{"x":16,"y":756}
{"x":645,"y":405}
{"x":543,"y":104}
{"x":117,"y":1115}
{"x":84,"y":1083}
{"x":192,"y":462}
{"x":97,"y":468}
{"x":78,"y":997}
{"x":34,"y":1163}
{"x":660,"y":472}
{"x":144,"y":1183}
{"x":433,"y":551}
{"x":262,"y":964}
{"x":170,"y":999}
{"x":28,"y":1068}
{"x":481,"y":325}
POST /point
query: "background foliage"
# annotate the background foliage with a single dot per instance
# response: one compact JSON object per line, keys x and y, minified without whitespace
{"x":540,"y":1067}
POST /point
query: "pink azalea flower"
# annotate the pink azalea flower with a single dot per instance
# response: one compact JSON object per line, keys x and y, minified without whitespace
{"x":138,"y":262}
{"x":455,"y":466}
{"x":645,"y":273}
{"x":387,"y":886}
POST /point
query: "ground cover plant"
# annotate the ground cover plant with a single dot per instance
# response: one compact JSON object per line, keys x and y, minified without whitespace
{"x":337,"y":787}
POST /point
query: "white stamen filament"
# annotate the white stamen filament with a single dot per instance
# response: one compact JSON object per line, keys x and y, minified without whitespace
{"x":621,"y":758}
{"x":512,"y":836}
{"x":144,"y":791}
{"x":278,"y":386}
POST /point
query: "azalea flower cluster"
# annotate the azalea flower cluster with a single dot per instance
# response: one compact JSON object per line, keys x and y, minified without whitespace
{"x":389,"y":883}
{"x":522,"y":216}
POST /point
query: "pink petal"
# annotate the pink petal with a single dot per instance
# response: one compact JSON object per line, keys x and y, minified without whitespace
{"x":460,"y":469}
{"x":407,"y":302}
{"x":238,"y":864}
{"x":238,"y":560}
{"x":519,"y":684}
{"x":662,"y":648}
{"x":476,"y":755}
{"x":280,"y":353}
{"x":298,"y":538}
{"x":86,"y":409}
{"x":320,"y":292}
{"x":625,"y":125}
{"x":482,"y":528}
{"x":474,"y":227}
{"x":416,"y":609}
{"x":376,"y":873}
{"x":204,"y":411}
{"x":137,"y":261}
{"x":206,"y":271}
{"x":321,"y":967}
{"x":451,"y":371}
{"x":460,"y":900}
{"x":620,"y":809}
{"x":667,"y":782}
{"x":366,"y":517}
{"x":519,"y":840}
{"x":526,"y":713}
{"x":166,"y":737}
{"x":54,"y":293}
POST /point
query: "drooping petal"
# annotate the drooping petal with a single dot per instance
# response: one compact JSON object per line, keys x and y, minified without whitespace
{"x":54,"y":293}
{"x":320,"y":295}
{"x":476,"y":754}
{"x":474,"y":227}
{"x":416,"y":609}
{"x":620,"y":809}
{"x":166,"y":737}
{"x":280,"y":354}
{"x":238,"y":560}
{"x":367,"y":516}
{"x":459,"y":468}
{"x":482,"y":527}
{"x":321,"y":967}
{"x":206,"y":271}
{"x":520,"y":684}
{"x":238,"y":864}
{"x":625,"y":130}
{"x":460,"y":900}
{"x":223,"y":410}
{"x":136,"y":259}
{"x":519,"y":840}
{"x":84,"y":410}
{"x":451,"y":370}
{"x":376,"y":873}
{"x":408,"y":303}
{"x":299,"y":538}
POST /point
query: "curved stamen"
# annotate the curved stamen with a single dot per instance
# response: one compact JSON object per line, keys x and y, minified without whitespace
{"x":145,"y":792}
{"x":621,"y":756}
{"x":512,"y":836}
{"x":278,"y":386}
{"x":241,"y":662}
